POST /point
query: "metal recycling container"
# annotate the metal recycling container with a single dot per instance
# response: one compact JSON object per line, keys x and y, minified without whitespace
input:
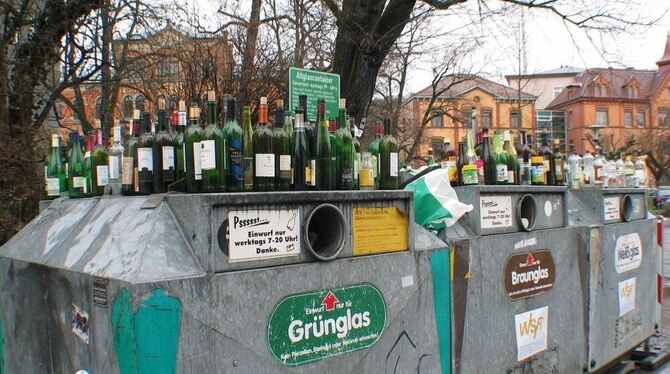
{"x":622,"y":272}
{"x":517,"y":302}
{"x":140,"y":285}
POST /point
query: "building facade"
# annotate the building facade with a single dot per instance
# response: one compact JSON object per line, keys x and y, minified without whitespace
{"x":167,"y":66}
{"x":546,"y":85}
{"x":459,"y":104}
{"x":613,"y":107}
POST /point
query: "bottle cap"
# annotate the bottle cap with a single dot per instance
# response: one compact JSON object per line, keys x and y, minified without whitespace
{"x":537,"y":159}
{"x":343,"y":103}
{"x":136,"y":114}
{"x":182,"y":106}
{"x":280,"y":103}
{"x":469,"y":167}
{"x":506,"y":136}
{"x":211,"y":96}
{"x":194,"y":112}
{"x":264,"y":100}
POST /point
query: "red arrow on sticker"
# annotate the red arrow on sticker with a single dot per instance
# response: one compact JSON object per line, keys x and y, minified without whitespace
{"x":329,"y":301}
{"x":530,"y":259}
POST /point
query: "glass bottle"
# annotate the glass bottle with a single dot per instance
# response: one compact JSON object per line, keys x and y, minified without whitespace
{"x":88,"y":164}
{"x":366,"y":176}
{"x":233,"y":134}
{"x":356,"y":150}
{"x":145,"y":158}
{"x":629,"y":173}
{"x":548,"y":155}
{"x":310,"y":137}
{"x":488,"y":156}
{"x":559,"y":164}
{"x":526,"y":161}
{"x":76,"y":173}
{"x":55,"y":179}
{"x":388,"y":159}
{"x":300,"y":160}
{"x":373,"y":148}
{"x":620,"y":172}
{"x":211,"y":151}
{"x":179,"y":141}
{"x":281,"y":143}
{"x":114,"y":161}
{"x":100,"y":165}
{"x":640,"y":172}
{"x":589,"y":170}
{"x":323,"y":151}
{"x":264,"y":158}
{"x":502,"y":176}
{"x":192,"y":138}
{"x":129,"y":177}
{"x":460,"y":163}
{"x":513,"y":167}
{"x":431,"y":158}
{"x":248,"y":149}
{"x":599,"y":169}
{"x":575,"y":168}
{"x":334,"y":162}
{"x":346,"y":152}
{"x":164,"y":156}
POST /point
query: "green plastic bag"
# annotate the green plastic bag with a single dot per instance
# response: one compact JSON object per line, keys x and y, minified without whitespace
{"x":436,"y":204}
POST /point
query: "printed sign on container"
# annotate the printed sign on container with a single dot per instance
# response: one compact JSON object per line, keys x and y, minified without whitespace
{"x":261,"y":234}
{"x":627,"y":252}
{"x":531,"y":332}
{"x":495,"y":211}
{"x":626,"y":296}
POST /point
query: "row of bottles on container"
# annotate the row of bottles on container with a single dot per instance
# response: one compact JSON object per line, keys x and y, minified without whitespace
{"x":294,"y":154}
{"x":498,"y":161}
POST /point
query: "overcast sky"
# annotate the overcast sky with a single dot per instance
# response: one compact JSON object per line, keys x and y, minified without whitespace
{"x":550,"y":43}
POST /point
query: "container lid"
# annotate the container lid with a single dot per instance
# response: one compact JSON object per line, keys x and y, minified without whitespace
{"x":538,"y":159}
{"x":469,"y":167}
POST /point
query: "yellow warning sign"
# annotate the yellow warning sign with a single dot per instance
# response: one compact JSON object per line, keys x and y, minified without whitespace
{"x":379,"y":230}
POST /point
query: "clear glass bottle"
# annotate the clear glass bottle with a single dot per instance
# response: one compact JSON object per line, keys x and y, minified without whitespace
{"x":366,"y":177}
{"x":56,"y":181}
{"x":589,"y":170}
{"x":640,"y":172}
{"x":264,"y":158}
{"x":388,"y":159}
{"x":115,"y":160}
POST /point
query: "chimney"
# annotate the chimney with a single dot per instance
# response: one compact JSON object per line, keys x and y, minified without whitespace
{"x":664,"y":62}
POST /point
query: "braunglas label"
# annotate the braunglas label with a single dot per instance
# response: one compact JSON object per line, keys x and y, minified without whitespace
{"x":394,"y":164}
{"x":168,"y":157}
{"x":531,"y":332}
{"x":196,"y":161}
{"x":102,"y":175}
{"x":207,"y":155}
{"x":53,"y":186}
{"x":145,"y":159}
{"x":114,"y":167}
{"x":127,"y":173}
{"x":265,"y":165}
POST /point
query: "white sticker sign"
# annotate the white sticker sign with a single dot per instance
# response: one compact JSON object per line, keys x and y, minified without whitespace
{"x":495,"y":211}
{"x":626,"y":296}
{"x":261,"y":234}
{"x":627,"y":252}
{"x":611,"y":208}
{"x":531,"y":332}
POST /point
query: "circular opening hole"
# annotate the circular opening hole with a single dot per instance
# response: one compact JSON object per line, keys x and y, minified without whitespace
{"x":525,"y":211}
{"x":626,"y":208}
{"x":325,"y":230}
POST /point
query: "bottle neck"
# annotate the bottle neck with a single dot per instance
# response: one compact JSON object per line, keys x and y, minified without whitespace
{"x":263,"y":114}
{"x":342,"y":119}
{"x":230,"y":111}
{"x":181,"y":122}
{"x":280,"y":118}
{"x":378,"y":130}
{"x":299,"y":125}
{"x":117,"y":134}
{"x":246,"y":118}
{"x":55,"y":141}
{"x":211,"y":113}
{"x":387,"y":128}
{"x":161,"y":121}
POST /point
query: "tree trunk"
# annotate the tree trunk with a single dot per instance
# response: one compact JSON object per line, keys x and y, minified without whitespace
{"x":366,"y":32}
{"x":249,"y":53}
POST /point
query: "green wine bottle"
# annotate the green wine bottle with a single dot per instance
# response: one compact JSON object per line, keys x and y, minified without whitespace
{"x":500,"y":160}
{"x":88,"y":164}
{"x":388,"y":159}
{"x":232,"y":134}
{"x":373,"y":148}
{"x":264,"y":158}
{"x":513,"y":166}
{"x":356,"y":150}
{"x":192,"y":138}
{"x":56,"y":182}
{"x":100,"y":165}
{"x":488,"y":156}
{"x":310,"y":137}
{"x":211,"y":151}
{"x":300,"y":161}
{"x":281,"y":143}
{"x":145,"y":156}
{"x":248,"y":149}
{"x":179,"y":141}
{"x":345,"y":150}
{"x":129,"y":177}
{"x":76,"y":172}
{"x":323,"y":150}
{"x":334,"y":162}
{"x":164,"y":155}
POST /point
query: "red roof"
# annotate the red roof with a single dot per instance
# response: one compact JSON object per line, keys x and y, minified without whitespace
{"x":616,"y":79}
{"x":457,"y":85}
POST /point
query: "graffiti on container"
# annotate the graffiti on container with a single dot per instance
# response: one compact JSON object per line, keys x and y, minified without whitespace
{"x":80,"y":322}
{"x":401,"y":348}
{"x":626,"y":326}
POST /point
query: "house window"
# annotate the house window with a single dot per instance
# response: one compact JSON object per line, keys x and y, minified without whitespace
{"x":436,"y":121}
{"x":469,"y":117}
{"x":570,"y":123}
{"x":514,"y":118}
{"x":127,"y":107}
{"x":436,"y":144}
{"x":664,"y":117}
{"x":486,"y":118}
{"x":601,"y":117}
{"x":628,"y":118}
{"x":98,"y":107}
{"x":139,"y":103}
{"x":600,"y":90}
{"x":640,"y":120}
{"x":168,"y":68}
{"x":557,"y":91}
